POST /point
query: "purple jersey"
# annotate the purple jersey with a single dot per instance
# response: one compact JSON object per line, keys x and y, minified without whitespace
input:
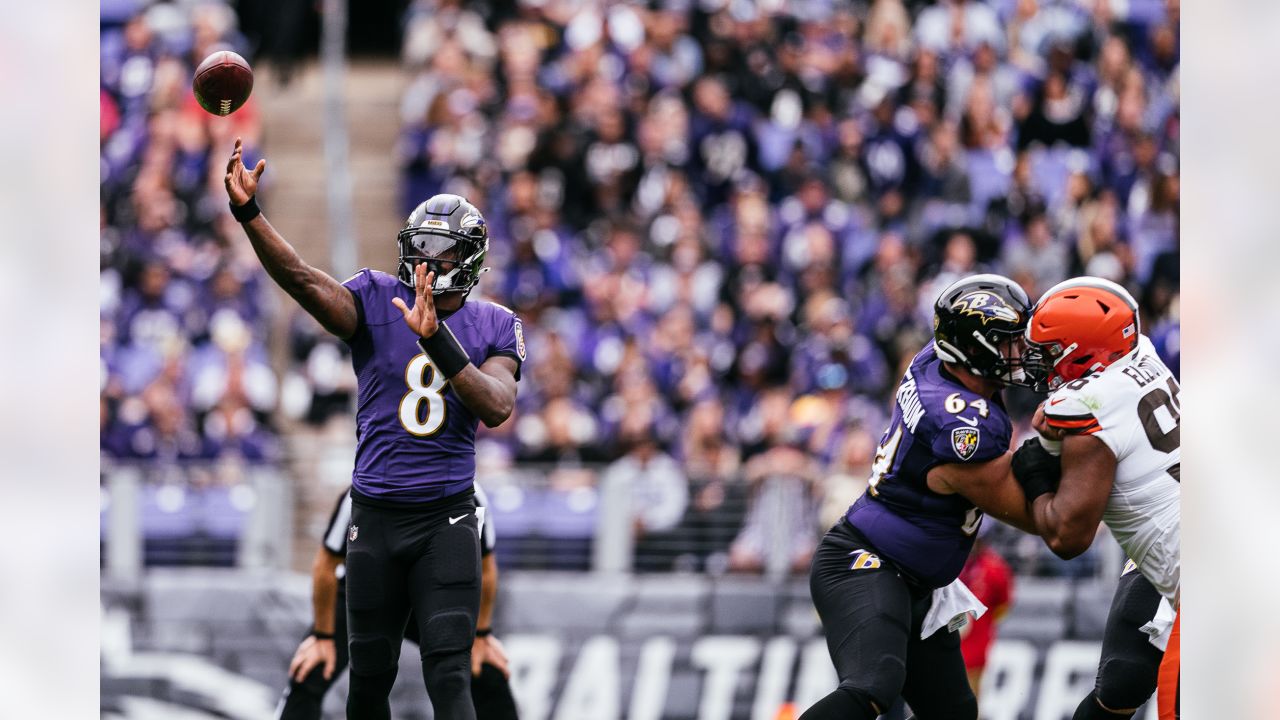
{"x":416,"y":438}
{"x":935,"y":421}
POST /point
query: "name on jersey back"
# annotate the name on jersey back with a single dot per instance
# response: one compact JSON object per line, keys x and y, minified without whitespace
{"x":1145,"y":371}
{"x":909,"y":402}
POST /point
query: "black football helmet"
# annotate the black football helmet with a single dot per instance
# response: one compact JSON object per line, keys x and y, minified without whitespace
{"x":979,"y":322}
{"x":448,"y":234}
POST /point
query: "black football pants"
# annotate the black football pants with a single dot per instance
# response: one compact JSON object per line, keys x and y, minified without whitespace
{"x":424,"y":559}
{"x":1129,"y":665}
{"x":490,"y":692}
{"x":871,"y":618}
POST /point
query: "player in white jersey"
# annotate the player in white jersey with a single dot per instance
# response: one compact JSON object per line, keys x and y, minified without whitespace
{"x":1113,"y":414}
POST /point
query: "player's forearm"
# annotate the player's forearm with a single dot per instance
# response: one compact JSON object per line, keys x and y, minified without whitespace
{"x":488,"y":591}
{"x":318,"y":293}
{"x":1066,"y":536}
{"x":992,"y":488}
{"x":1010,"y":507}
{"x":324,"y":598}
{"x":491,"y":399}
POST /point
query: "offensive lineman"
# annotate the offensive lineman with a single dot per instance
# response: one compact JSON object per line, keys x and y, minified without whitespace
{"x":1114,"y":415}
{"x":322,"y":655}
{"x":884,"y":578}
{"x":427,"y":375}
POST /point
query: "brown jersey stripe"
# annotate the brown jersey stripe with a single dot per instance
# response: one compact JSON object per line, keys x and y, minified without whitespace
{"x":1074,"y":424}
{"x":1081,"y":429}
{"x":1076,"y":421}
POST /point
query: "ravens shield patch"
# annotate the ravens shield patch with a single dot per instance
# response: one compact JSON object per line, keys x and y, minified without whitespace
{"x":964,"y":441}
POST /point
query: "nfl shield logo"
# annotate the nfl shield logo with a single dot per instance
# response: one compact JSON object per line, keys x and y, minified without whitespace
{"x":965,"y":442}
{"x":351,"y":535}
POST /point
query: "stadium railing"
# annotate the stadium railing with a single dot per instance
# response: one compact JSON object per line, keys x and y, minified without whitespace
{"x":547,"y":517}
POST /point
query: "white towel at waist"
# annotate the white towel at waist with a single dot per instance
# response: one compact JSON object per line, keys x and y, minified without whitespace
{"x":950,"y":607}
{"x":1160,"y":626}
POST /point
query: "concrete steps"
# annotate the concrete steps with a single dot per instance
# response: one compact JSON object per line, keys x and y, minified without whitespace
{"x":296,"y":197}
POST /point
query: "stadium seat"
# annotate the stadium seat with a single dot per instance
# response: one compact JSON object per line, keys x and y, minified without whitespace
{"x":544,"y":598}
{"x":1090,"y":604}
{"x":745,"y":606}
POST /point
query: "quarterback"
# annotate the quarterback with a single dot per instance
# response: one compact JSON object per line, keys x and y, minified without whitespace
{"x":427,"y":375}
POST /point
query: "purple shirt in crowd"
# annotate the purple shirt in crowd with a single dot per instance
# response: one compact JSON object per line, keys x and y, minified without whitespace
{"x":415,"y":439}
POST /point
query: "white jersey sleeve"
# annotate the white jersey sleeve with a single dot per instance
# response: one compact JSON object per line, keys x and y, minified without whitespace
{"x":1133,"y":408}
{"x":488,"y":534}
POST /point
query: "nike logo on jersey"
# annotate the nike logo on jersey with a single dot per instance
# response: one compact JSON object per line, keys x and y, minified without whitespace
{"x":454,"y":520}
{"x":967,"y":421}
{"x":1055,"y":401}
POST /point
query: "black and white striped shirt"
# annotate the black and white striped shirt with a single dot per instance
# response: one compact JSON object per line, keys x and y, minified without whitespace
{"x":335,"y":535}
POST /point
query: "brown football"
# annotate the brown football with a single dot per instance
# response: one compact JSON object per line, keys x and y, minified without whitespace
{"x":222,"y":82}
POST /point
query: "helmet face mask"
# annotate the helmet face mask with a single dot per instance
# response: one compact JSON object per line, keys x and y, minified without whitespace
{"x":450,"y":236}
{"x":1039,"y":361}
{"x":979,"y":324}
{"x":1078,"y":328}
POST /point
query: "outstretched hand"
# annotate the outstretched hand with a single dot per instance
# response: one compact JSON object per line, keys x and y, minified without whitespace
{"x":422,"y":317}
{"x":241,"y":182}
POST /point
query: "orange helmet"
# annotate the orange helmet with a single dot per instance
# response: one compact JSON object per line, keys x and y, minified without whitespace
{"x":1079,"y":327}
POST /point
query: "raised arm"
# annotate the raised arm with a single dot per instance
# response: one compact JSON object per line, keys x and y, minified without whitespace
{"x":316,"y":291}
{"x":489,"y":391}
{"x":989,"y":485}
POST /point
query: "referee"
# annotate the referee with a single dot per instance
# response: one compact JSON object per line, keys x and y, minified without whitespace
{"x":322,"y":655}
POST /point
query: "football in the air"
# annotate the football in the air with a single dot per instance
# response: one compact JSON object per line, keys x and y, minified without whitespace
{"x":222,"y":82}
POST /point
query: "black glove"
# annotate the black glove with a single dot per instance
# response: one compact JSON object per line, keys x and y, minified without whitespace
{"x":1036,"y":470}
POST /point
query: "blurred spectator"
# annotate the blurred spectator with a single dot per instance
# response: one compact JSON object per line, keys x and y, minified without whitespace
{"x":781,"y":519}
{"x":320,"y":384}
{"x":1036,"y":260}
{"x":718,"y":496}
{"x":185,"y":377}
{"x":989,"y":577}
{"x":658,"y":490}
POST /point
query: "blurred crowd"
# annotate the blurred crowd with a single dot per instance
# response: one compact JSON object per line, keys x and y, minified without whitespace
{"x":725,"y":222}
{"x":185,"y":375}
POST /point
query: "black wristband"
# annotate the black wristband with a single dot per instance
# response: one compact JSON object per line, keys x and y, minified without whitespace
{"x":1036,"y":484}
{"x":445,"y":351}
{"x":1035,"y":469}
{"x":484,"y":632}
{"x":246,"y":212}
{"x":320,"y":635}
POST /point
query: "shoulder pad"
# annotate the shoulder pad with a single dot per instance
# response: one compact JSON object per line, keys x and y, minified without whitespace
{"x":382,"y":278}
{"x":1072,"y":412}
